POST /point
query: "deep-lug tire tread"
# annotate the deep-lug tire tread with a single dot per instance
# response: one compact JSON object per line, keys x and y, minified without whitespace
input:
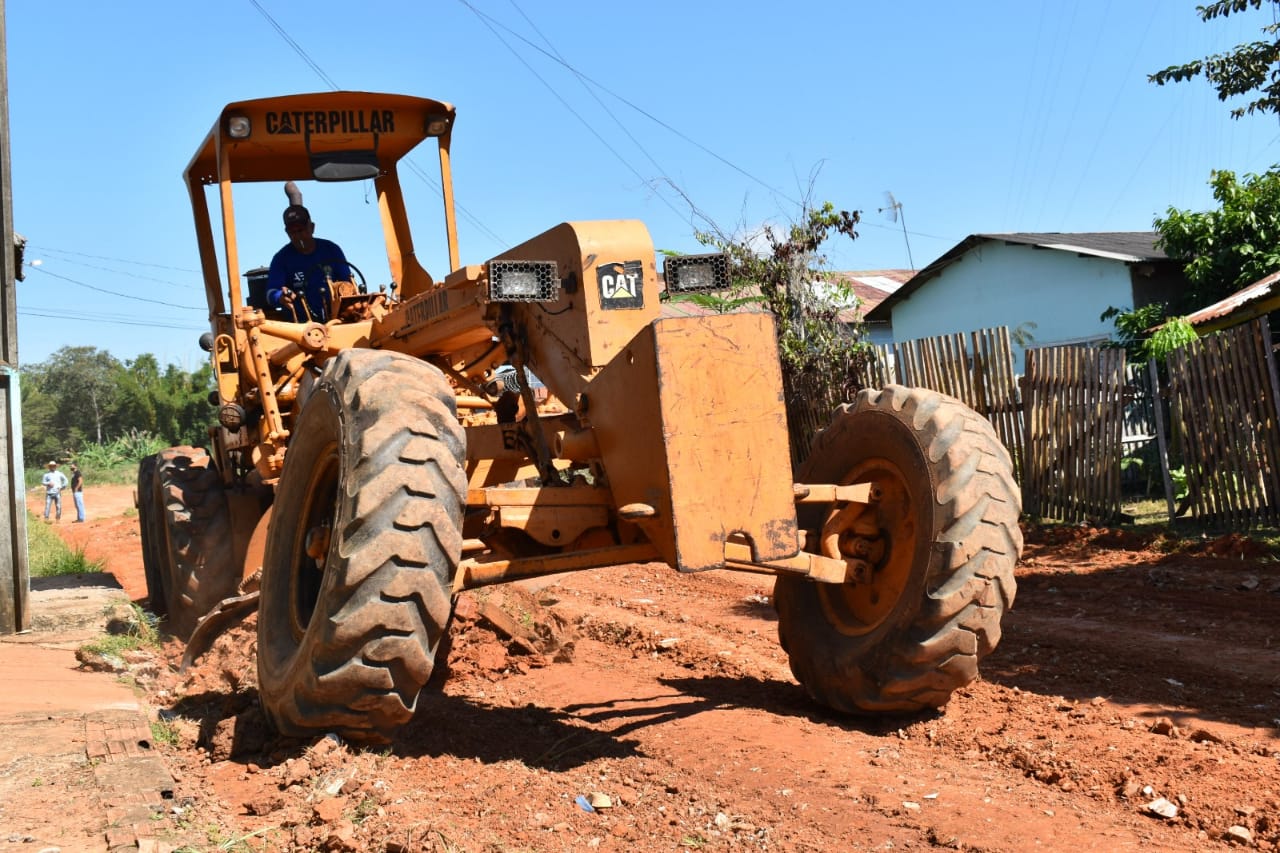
{"x":151,"y":530}
{"x":196,"y":559}
{"x":386,"y":594}
{"x":970,"y":576}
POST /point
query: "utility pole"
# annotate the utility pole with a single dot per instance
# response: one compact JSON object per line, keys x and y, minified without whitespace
{"x":14,"y":594}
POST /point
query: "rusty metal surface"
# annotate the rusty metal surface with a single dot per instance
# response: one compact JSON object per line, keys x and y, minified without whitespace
{"x":227,"y":613}
{"x":1257,"y":299}
{"x":690,"y":422}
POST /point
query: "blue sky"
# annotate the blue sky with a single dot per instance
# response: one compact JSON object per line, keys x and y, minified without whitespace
{"x":978,"y":118}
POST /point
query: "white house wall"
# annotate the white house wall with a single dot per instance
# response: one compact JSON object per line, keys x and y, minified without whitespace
{"x":996,"y":284}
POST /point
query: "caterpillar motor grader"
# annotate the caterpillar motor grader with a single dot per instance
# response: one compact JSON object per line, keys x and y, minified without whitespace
{"x":370,"y":464}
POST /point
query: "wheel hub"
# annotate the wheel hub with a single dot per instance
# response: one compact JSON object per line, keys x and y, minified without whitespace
{"x":876,"y":541}
{"x":317,"y":544}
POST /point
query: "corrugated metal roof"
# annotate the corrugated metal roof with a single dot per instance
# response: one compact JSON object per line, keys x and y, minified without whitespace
{"x":870,"y":286}
{"x":1255,"y":292}
{"x":1124,"y":246}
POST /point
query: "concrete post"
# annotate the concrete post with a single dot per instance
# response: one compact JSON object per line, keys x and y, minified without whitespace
{"x":14,"y":612}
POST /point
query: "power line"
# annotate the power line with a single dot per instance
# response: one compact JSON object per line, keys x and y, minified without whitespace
{"x":412,"y":166}
{"x":1019,"y":148}
{"x":1045,"y":110}
{"x":621,"y":125}
{"x":114,"y":320}
{"x":1101,"y":133}
{"x":187,"y":286}
{"x":466,"y":214}
{"x":633,"y":106}
{"x":44,"y":249}
{"x":297,"y":48}
{"x":1099,"y":28}
{"x":484,"y":19}
{"x":117,"y":293}
{"x":865,"y":223}
{"x":1147,"y":149}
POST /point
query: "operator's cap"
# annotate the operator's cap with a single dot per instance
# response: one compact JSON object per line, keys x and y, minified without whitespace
{"x":296,"y":214}
{"x":51,"y":464}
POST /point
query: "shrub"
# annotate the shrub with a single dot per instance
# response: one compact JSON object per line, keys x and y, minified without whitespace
{"x":47,"y":555}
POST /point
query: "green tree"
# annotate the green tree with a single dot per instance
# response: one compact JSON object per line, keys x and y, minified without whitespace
{"x":1173,"y":334}
{"x":1133,"y":328}
{"x":138,"y":386}
{"x":188,"y":412}
{"x":172,"y":404}
{"x":82,"y":397}
{"x":40,"y":439}
{"x":81,"y":382}
{"x":1251,"y":69}
{"x":1226,"y":249}
{"x":1148,"y":332}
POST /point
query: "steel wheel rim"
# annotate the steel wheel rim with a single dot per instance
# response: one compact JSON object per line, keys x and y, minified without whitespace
{"x":856,"y":609}
{"x":306,"y":575}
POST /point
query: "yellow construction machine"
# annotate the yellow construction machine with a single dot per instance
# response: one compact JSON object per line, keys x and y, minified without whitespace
{"x":371,"y":463}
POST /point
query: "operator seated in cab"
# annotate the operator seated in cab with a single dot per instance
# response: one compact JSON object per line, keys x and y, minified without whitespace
{"x":299,"y":276}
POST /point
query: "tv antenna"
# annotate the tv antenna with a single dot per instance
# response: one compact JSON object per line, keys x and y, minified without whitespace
{"x":894,"y":209}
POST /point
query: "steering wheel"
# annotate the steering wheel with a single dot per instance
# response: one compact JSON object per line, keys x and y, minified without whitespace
{"x":363,"y":286}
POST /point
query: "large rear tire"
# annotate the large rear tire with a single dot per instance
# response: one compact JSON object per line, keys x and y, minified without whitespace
{"x":196,"y":560}
{"x":939,"y":546}
{"x":364,"y":540}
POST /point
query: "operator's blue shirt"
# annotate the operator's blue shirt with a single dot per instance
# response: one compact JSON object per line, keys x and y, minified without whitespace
{"x":306,"y":275}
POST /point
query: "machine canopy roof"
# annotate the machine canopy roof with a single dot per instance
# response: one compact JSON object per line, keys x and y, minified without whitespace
{"x":330,"y":136}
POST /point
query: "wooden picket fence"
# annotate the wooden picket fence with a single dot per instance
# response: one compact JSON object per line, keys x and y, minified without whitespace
{"x":1063,"y":425}
{"x":1223,"y":396}
{"x":1074,"y":401}
{"x":806,"y":419}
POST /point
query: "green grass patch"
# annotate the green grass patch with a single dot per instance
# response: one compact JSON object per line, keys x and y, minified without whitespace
{"x":1148,"y":512}
{"x":114,"y":645}
{"x":48,"y":555}
{"x":165,"y":733}
{"x":143,"y":634}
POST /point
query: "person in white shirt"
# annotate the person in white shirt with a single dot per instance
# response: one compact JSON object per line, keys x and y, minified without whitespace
{"x":54,"y":481}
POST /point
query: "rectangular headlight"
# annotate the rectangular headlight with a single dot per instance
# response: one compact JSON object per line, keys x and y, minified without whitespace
{"x":523,"y":281}
{"x":690,"y":273}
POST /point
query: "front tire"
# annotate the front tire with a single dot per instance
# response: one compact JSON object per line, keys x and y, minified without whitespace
{"x":364,"y":540}
{"x":939,"y":546}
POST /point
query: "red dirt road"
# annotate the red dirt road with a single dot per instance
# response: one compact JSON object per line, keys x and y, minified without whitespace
{"x":1126,"y":677}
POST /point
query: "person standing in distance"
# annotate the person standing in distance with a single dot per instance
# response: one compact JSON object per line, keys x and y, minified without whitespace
{"x":54,"y":481}
{"x":77,"y":491}
{"x":299,"y":275}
